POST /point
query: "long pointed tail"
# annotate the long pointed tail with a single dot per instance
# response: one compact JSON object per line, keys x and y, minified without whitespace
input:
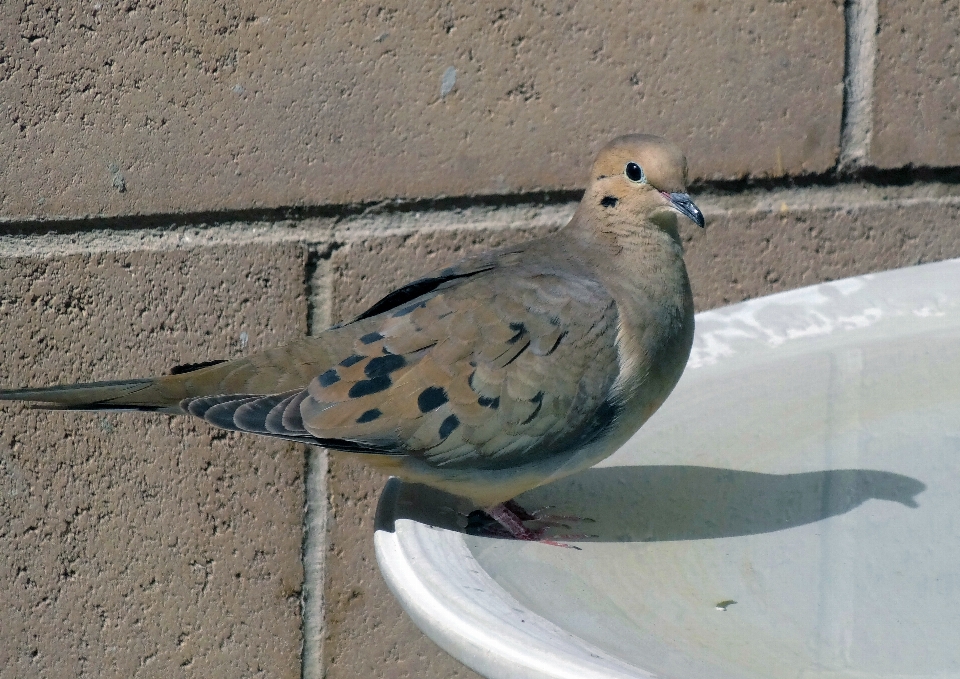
{"x":118,"y":395}
{"x":273,"y":371}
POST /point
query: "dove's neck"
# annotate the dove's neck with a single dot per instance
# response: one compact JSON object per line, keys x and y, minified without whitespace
{"x":634,"y":253}
{"x":642,"y":267}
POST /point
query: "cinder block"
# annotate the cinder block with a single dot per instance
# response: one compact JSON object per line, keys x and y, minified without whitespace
{"x":917,"y":85}
{"x":136,"y":544}
{"x":742,"y":254}
{"x":135,"y":108}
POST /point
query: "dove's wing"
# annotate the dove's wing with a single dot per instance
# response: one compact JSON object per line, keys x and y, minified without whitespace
{"x":483,"y":372}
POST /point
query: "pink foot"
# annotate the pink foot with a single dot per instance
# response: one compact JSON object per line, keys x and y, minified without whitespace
{"x":507,"y":521}
{"x":539,"y":516}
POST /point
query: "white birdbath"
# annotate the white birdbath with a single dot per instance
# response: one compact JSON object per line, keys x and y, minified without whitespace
{"x":792,"y":511}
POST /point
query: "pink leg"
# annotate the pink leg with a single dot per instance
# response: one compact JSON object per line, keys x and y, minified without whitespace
{"x":505,"y":515}
{"x":509,"y":519}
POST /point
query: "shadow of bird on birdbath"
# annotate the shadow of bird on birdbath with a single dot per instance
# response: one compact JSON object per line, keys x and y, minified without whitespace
{"x":664,"y":502}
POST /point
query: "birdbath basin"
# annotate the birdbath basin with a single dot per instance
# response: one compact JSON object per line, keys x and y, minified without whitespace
{"x":793,"y":510}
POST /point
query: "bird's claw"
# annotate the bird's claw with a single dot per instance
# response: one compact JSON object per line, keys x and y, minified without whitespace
{"x":508,"y":521}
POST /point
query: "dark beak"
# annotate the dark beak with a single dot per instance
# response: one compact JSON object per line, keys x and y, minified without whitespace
{"x":686,"y":207}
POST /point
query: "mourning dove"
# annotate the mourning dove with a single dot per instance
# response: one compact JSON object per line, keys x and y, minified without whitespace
{"x":503,"y":372}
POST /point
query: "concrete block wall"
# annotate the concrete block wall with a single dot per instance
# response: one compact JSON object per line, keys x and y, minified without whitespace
{"x":184,"y":182}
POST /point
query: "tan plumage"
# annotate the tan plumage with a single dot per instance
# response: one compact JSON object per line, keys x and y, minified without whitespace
{"x":500,"y":373}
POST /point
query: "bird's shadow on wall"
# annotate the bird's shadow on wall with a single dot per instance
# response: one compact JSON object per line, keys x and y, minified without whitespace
{"x":659,"y":503}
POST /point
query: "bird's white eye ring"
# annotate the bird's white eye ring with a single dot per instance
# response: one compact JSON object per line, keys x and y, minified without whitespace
{"x":634,"y":173}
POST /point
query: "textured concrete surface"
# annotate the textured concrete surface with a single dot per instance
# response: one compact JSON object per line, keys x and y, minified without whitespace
{"x":744,"y":253}
{"x":917,"y":89}
{"x":139,"y":545}
{"x":137,"y":107}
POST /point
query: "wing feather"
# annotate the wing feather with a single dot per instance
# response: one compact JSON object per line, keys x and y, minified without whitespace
{"x":497,"y":363}
{"x":498,"y":369}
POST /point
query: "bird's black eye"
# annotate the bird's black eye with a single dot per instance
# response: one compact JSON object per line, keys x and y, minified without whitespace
{"x":634,"y":172}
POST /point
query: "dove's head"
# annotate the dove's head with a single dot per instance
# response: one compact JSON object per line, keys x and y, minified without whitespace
{"x":641,"y":179}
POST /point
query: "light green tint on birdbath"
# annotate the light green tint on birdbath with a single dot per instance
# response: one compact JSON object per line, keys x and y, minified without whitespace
{"x":793,"y":510}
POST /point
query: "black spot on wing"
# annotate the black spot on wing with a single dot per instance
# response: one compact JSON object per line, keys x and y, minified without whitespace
{"x":329,"y":377}
{"x":518,"y":328}
{"x":492,"y":403}
{"x":371,"y":337}
{"x":538,"y":399}
{"x":367,"y":387}
{"x":557,"y":343}
{"x":384,"y":365}
{"x":448,"y":425}
{"x":609,"y":201}
{"x":369,"y":416}
{"x":351,"y":360}
{"x":517,"y":355}
{"x":190,"y":367}
{"x":431,"y":398}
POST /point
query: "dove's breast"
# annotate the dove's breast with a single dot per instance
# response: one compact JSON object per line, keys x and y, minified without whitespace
{"x":654,"y":337}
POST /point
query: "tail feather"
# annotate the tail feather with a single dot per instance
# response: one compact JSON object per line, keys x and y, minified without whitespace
{"x":276,"y":371}
{"x":113,"y":395}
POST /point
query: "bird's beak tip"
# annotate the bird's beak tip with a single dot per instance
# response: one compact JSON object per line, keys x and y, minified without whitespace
{"x":683,"y":204}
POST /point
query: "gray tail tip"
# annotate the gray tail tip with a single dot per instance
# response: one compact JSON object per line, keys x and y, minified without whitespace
{"x":89,"y":396}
